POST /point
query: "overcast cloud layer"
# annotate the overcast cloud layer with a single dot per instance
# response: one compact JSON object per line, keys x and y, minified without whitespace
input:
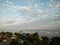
{"x":29,"y":15}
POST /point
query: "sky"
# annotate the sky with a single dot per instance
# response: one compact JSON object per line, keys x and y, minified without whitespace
{"x":29,"y":15}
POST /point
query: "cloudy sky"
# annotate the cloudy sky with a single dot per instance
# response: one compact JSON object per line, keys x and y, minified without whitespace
{"x":29,"y":15}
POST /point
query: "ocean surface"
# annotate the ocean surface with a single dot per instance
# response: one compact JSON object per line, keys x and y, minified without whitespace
{"x":49,"y":33}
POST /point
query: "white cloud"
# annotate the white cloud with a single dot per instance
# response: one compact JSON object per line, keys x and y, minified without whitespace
{"x":15,"y":21}
{"x":50,"y":5}
{"x":8,"y":5}
{"x":42,"y":3}
{"x":33,"y":15}
{"x":54,"y":5}
{"x":35,"y":5}
{"x":58,"y":4}
{"x":10,"y":9}
{"x":9,"y":2}
{"x":12,"y":6}
{"x":55,"y":22}
{"x":51,"y":0}
{"x":39,"y":10}
{"x":24,"y":8}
